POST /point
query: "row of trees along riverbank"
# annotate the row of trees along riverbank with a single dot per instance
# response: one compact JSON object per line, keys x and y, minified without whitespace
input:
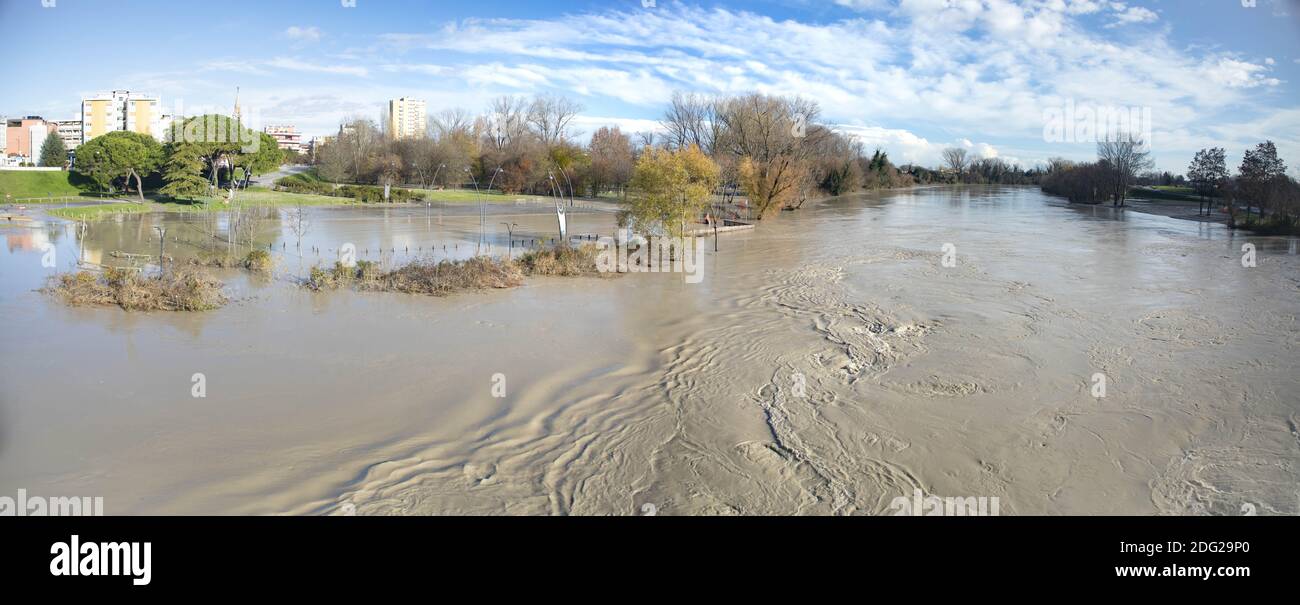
{"x":771,"y":149}
{"x":1260,"y":196}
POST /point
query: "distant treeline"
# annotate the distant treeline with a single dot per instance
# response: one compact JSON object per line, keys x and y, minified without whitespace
{"x":1260,"y":196}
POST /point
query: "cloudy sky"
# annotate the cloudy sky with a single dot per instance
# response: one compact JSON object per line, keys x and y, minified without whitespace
{"x":910,"y":76}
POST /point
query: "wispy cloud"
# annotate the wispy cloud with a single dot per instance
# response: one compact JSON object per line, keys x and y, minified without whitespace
{"x":298,"y":33}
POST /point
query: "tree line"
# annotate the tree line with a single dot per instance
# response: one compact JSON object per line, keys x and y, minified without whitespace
{"x":771,"y":150}
{"x":1261,"y":194}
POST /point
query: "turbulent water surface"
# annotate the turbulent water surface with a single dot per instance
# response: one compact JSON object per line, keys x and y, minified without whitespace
{"x":827,"y":363}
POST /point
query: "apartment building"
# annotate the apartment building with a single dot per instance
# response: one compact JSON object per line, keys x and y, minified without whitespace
{"x":286,"y":137}
{"x":70,"y":132}
{"x":406,"y":118}
{"x":24,"y":136}
{"x":123,"y":110}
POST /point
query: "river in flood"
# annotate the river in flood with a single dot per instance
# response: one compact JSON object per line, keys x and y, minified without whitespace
{"x":831,"y":360}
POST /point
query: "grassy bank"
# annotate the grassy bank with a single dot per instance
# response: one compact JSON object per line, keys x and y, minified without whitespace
{"x":179,"y":290}
{"x":1270,"y":225}
{"x":19,"y":184}
{"x":253,"y":196}
{"x":1179,"y":194}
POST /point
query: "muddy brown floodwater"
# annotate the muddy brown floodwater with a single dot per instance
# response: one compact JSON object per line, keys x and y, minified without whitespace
{"x":827,"y":363}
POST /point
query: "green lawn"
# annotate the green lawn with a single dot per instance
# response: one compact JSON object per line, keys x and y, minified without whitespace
{"x":19,"y":184}
{"x":79,"y":213}
{"x":457,"y":196}
{"x":255,"y":196}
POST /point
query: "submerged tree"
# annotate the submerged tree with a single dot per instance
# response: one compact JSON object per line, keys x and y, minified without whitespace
{"x":1123,"y":157}
{"x":670,"y":188}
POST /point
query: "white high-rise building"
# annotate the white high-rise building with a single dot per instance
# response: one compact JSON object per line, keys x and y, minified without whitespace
{"x":406,"y":118}
{"x":122,"y":110}
{"x":36,"y":134}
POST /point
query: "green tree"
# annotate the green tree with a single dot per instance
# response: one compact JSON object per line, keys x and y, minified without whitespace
{"x":1207,"y":173}
{"x":183,"y":172}
{"x":669,"y":188}
{"x":266,"y":158}
{"x":1261,"y":173}
{"x":120,"y":155}
{"x":53,"y":152}
{"x":218,"y":140}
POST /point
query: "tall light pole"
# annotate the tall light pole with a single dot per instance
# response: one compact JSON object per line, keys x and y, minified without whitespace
{"x":566,"y":179}
{"x":482,"y":208}
{"x":435,"y":174}
{"x":510,"y":233}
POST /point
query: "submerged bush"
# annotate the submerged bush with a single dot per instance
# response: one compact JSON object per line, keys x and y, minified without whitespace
{"x":258,"y":261}
{"x":179,"y":290}
{"x":445,"y":277}
{"x":564,"y":261}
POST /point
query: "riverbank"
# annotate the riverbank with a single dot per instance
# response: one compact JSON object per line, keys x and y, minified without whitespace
{"x":1189,"y":209}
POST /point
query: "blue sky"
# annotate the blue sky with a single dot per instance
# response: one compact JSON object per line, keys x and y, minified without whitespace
{"x":911,"y":76}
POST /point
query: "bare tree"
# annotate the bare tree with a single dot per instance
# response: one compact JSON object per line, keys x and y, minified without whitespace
{"x":645,"y":139}
{"x":360,"y":139}
{"x":612,"y":159}
{"x":773,"y":139}
{"x":298,"y":222}
{"x":450,"y":122}
{"x":550,"y":116}
{"x":1123,"y":156}
{"x":955,"y":158}
{"x":691,"y":119}
{"x":508,"y":122}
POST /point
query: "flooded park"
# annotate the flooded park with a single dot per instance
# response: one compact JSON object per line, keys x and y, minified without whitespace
{"x":946,"y":339}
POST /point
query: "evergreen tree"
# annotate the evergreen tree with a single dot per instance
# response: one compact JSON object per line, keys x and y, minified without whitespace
{"x":183,"y":172}
{"x":53,"y":152}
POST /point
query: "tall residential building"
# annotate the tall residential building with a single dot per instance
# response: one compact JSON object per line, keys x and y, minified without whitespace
{"x":406,"y":118}
{"x":286,"y":136}
{"x":70,"y":132}
{"x":122,"y":110}
{"x":24,"y":136}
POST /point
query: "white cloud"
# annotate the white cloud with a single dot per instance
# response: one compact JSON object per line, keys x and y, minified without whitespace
{"x":297,"y":65}
{"x":303,"y":34}
{"x":1239,"y":74}
{"x":1127,"y":15}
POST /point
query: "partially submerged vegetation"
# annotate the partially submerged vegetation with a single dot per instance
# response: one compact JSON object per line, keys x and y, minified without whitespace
{"x":179,"y":290}
{"x":446,"y":277}
{"x":309,"y":183}
{"x":421,"y":277}
{"x":257,"y":261}
{"x":561,"y":261}
{"x":97,"y":211}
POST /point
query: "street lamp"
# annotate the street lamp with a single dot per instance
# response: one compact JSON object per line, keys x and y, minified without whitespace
{"x":566,"y":179}
{"x":510,"y":233}
{"x":435,"y":174}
